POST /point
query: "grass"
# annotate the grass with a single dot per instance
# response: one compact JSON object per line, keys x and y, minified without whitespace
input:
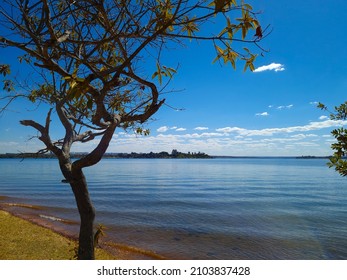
{"x":22,"y":240}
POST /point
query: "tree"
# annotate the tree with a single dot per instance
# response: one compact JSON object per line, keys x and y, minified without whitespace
{"x":338,"y":159}
{"x":98,"y":66}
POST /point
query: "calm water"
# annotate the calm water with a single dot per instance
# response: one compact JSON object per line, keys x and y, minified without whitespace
{"x":200,"y":209}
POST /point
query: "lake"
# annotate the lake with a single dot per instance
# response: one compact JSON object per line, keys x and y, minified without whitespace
{"x":233,"y":208}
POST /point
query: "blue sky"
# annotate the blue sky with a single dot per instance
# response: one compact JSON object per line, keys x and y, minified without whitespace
{"x":270,"y":112}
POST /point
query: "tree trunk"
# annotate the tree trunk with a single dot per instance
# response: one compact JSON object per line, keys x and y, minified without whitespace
{"x":87,"y":215}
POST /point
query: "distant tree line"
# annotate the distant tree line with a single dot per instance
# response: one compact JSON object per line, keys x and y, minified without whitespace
{"x":174,"y":154}
{"x":26,"y":155}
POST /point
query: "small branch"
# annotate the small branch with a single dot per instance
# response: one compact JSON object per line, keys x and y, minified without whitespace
{"x":10,"y":99}
{"x":79,"y":122}
{"x":24,"y":155}
{"x":44,"y":130}
{"x":174,"y":108}
{"x":87,"y":136}
{"x":153,"y":108}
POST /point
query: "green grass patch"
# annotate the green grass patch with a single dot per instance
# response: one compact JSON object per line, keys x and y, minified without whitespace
{"x":22,"y":240}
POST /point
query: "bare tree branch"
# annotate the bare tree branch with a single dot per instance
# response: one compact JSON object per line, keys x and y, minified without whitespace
{"x":96,"y":155}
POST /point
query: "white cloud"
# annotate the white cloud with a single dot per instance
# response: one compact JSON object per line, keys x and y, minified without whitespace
{"x":235,"y":129}
{"x":292,"y":140}
{"x":285,"y":107}
{"x":201,"y":128}
{"x":166,"y":128}
{"x":163,"y":129}
{"x":9,"y":144}
{"x":271,"y":131}
{"x":264,"y":114}
{"x":323,"y":117}
{"x":218,"y":143}
{"x":277,"y":67}
{"x":303,"y":136}
{"x":22,"y":145}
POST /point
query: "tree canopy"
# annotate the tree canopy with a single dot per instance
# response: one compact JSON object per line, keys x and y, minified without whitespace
{"x":92,"y":56}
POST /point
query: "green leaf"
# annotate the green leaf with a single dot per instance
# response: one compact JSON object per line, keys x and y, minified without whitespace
{"x":158,"y":73}
{"x":190,"y":26}
{"x":168,"y":72}
{"x":163,"y":71}
{"x":322,"y":106}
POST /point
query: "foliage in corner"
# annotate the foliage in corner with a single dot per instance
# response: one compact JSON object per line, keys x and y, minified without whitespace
{"x":338,"y":160}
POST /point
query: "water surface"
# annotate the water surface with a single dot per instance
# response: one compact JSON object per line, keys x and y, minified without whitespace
{"x":273,"y":208}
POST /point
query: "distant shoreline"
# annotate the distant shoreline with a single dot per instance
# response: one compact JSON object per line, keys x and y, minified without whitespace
{"x":162,"y":155}
{"x":151,"y":155}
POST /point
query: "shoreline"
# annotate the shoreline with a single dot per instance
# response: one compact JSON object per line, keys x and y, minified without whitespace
{"x":245,"y":247}
{"x":69,"y":229}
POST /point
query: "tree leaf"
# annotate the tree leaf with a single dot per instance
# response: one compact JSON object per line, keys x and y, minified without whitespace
{"x":219,"y":5}
{"x":8,"y":85}
{"x":5,"y":69}
{"x":259,"y":32}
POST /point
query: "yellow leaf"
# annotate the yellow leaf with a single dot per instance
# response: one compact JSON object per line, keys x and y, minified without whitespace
{"x":73,"y":84}
{"x":220,"y":50}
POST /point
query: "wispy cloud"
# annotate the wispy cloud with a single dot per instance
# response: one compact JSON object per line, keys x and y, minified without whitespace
{"x":264,"y":114}
{"x":284,"y":107}
{"x":323,"y":117}
{"x":277,"y":67}
{"x":201,"y":128}
{"x":308,"y":139}
{"x":291,"y":140}
{"x":167,"y":128}
{"x":312,"y":126}
{"x":181,"y":129}
{"x":163,"y":129}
